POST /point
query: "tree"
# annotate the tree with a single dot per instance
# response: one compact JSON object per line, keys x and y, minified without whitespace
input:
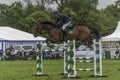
{"x":117,"y":3}
{"x":36,"y":17}
{"x":82,"y":12}
{"x":3,"y":9}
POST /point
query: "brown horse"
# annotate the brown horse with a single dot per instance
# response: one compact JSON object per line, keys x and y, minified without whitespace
{"x":81,"y":33}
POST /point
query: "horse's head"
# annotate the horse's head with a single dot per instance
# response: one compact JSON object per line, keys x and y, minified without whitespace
{"x":38,"y":29}
{"x":44,"y":25}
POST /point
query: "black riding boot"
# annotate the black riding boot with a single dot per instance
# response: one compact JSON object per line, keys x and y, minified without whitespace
{"x":65,"y":35}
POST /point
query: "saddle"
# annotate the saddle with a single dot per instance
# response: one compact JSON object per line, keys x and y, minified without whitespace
{"x":68,"y":30}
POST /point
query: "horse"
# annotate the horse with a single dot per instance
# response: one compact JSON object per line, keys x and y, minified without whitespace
{"x":56,"y":34}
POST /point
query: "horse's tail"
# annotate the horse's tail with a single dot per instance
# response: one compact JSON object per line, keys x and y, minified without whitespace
{"x":96,"y":32}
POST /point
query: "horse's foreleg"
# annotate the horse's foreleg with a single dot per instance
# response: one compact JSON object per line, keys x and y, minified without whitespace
{"x":48,"y":41}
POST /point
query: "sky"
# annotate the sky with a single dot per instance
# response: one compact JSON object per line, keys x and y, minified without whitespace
{"x":102,"y":3}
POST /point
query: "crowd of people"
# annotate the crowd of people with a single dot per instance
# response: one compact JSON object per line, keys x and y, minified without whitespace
{"x":10,"y":54}
{"x":51,"y":55}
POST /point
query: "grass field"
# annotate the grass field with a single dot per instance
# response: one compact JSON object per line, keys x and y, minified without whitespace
{"x":24,"y":70}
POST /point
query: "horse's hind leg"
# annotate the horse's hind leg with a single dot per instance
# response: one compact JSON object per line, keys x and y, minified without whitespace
{"x":86,"y":41}
{"x":89,"y":43}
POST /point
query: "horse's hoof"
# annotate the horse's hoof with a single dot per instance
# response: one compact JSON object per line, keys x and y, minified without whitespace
{"x":52,"y":46}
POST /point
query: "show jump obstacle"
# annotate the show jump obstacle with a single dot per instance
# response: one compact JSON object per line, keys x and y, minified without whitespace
{"x":70,"y":59}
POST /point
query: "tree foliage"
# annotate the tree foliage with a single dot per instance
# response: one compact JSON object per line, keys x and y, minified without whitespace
{"x":83,"y":12}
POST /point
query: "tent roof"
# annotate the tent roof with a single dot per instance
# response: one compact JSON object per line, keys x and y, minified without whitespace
{"x":12,"y":34}
{"x":115,"y":36}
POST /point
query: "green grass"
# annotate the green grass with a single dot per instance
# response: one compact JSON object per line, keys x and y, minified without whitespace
{"x":23,"y":70}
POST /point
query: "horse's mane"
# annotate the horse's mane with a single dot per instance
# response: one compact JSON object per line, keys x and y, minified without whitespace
{"x":50,"y":23}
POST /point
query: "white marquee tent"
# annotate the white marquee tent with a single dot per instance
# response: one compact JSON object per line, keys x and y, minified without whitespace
{"x":115,"y":36}
{"x":111,"y":42}
{"x":11,"y":36}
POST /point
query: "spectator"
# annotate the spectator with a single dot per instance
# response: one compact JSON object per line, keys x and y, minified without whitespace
{"x":117,"y":53}
{"x":23,"y":54}
{"x":57,"y":56}
{"x":13,"y":54}
{"x":11,"y":48}
{"x":32,"y":54}
{"x":1,"y":55}
{"x":7,"y":55}
{"x":47,"y":55}
{"x":18,"y":54}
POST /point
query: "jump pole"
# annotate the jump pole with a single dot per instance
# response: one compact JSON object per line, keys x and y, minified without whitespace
{"x":97,"y":61}
{"x":39,"y":59}
{"x":65,"y":66}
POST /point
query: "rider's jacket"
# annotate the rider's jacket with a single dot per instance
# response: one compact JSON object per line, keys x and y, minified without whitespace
{"x":62,"y":19}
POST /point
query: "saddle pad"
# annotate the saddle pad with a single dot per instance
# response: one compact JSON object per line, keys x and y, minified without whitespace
{"x":70,"y":31}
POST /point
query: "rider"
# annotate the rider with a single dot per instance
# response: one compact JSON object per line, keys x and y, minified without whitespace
{"x":62,"y":21}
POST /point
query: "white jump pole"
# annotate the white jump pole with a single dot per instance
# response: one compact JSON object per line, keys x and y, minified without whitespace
{"x":65,"y":66}
{"x":99,"y":47}
{"x":39,"y":59}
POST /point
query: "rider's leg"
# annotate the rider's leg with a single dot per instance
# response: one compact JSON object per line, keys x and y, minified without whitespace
{"x":65,"y":25}
{"x":65,"y":34}
{"x":64,"y":29}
